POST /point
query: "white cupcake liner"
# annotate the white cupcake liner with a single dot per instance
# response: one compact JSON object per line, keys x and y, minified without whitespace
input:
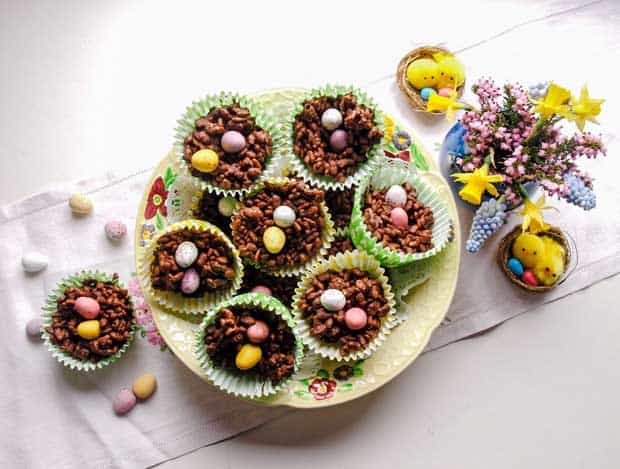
{"x":344,"y":261}
{"x":237,"y":383}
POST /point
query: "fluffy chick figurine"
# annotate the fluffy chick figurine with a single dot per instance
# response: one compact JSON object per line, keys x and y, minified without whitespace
{"x":528,"y":248}
{"x":451,"y":71}
{"x":423,"y":73}
{"x":550,"y":265}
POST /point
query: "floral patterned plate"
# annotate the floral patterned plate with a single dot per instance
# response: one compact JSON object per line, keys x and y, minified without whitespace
{"x":321,"y":383}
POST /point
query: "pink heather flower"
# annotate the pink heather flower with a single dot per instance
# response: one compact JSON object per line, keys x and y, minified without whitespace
{"x":133,"y":287}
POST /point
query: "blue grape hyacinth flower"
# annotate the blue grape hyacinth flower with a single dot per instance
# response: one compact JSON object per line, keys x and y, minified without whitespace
{"x":490,"y":217}
{"x":578,"y":193}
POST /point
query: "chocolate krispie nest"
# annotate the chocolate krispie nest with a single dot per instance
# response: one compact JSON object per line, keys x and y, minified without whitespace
{"x":228,"y":334}
{"x":303,"y":237}
{"x":340,"y":244}
{"x":416,"y":237}
{"x":115,"y":320}
{"x":311,"y":141}
{"x":361,"y":291}
{"x":235,"y":170}
{"x":214,"y":262}
{"x":340,"y":205}
{"x":207,"y":210}
{"x":282,"y":288}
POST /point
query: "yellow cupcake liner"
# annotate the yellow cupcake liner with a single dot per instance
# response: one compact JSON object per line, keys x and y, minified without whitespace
{"x":345,"y":261}
{"x":237,"y":383}
{"x":176,"y":301}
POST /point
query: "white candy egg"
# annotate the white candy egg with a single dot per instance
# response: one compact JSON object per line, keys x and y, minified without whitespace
{"x":397,"y":196}
{"x":333,"y":300}
{"x":284,"y":216}
{"x":331,"y":119}
{"x":186,"y":254}
{"x":34,"y":261}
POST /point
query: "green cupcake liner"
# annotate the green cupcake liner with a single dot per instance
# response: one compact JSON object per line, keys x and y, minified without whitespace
{"x":405,"y":278}
{"x":390,"y":172}
{"x":239,"y":384}
{"x":298,"y":165}
{"x":327,"y":235}
{"x":345,"y":261}
{"x":49,"y":308}
{"x":176,"y":301}
{"x":263,"y":119}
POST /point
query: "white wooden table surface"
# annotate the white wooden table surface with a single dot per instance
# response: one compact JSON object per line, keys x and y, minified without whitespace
{"x":89,"y":87}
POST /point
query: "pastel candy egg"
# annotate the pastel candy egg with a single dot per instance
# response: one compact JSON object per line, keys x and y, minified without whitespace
{"x":226,"y":206}
{"x":262,"y":289}
{"x":529,"y":278}
{"x":89,"y":329}
{"x":80,"y":204}
{"x":355,"y":318}
{"x":124,"y":401}
{"x":426,"y":93}
{"x":331,"y":119}
{"x":338,"y":140}
{"x":333,"y":299}
{"x":205,"y":160}
{"x":190,"y":281}
{"x":33,"y":328}
{"x":144,"y":386}
{"x":248,"y":357}
{"x":284,"y":216}
{"x":258,"y":332}
{"x":399,"y":217}
{"x":115,"y":230}
{"x":87,"y":307}
{"x":515,"y":266}
{"x":186,"y":254}
{"x":445,"y":92}
{"x":34,"y":262}
{"x":396,"y":196}
{"x":233,"y":141}
{"x":274,"y":239}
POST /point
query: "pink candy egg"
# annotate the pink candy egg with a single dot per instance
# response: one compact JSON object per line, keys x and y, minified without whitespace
{"x":233,"y":141}
{"x":33,"y":328}
{"x":338,"y":140}
{"x":261,"y":289}
{"x":445,"y":92}
{"x":190,"y":281}
{"x":115,"y":230}
{"x":399,"y":217}
{"x":258,"y":332}
{"x":87,"y":307}
{"x":529,"y":278}
{"x":124,"y":401}
{"x":355,"y":318}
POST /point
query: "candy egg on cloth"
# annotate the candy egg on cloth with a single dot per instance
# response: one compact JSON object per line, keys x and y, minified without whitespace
{"x":34,"y":262}
{"x":274,"y":239}
{"x":87,"y":307}
{"x":248,"y":357}
{"x":261,"y":289}
{"x":80,"y":204}
{"x":399,"y":217}
{"x":115,"y":230}
{"x":144,"y":386}
{"x":331,"y":119}
{"x":527,"y":248}
{"x":515,"y":266}
{"x":396,"y":195}
{"x":186,"y":254}
{"x":426,"y":93}
{"x":355,"y":318}
{"x":233,"y":141}
{"x":205,"y":160}
{"x":124,"y":401}
{"x":33,"y":328}
{"x":89,"y":329}
{"x":284,"y":216}
{"x":423,"y":73}
{"x":333,"y":299}
{"x":529,"y":278}
{"x":258,"y":332}
{"x":226,"y":206}
{"x":338,"y":140}
{"x":190,"y":281}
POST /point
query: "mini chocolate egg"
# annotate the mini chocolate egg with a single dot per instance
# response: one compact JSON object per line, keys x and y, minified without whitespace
{"x":80,"y":204}
{"x":205,"y":160}
{"x":89,"y":329}
{"x":87,"y":307}
{"x":144,"y":386}
{"x":274,"y":239}
{"x":426,"y":93}
{"x":446,"y":92}
{"x":333,"y":299}
{"x":226,"y":206}
{"x":258,"y":332}
{"x":186,"y":254}
{"x":190,"y":281}
{"x":261,"y":289}
{"x":338,"y":140}
{"x":33,"y":328}
{"x":355,"y":318}
{"x":529,"y":278}
{"x":248,"y":356}
{"x":34,"y":262}
{"x":515,"y":266}
{"x":331,"y":119}
{"x":399,"y":217}
{"x":233,"y":141}
{"x":124,"y":401}
{"x":396,"y":195}
{"x":284,"y":216}
{"x":115,"y":230}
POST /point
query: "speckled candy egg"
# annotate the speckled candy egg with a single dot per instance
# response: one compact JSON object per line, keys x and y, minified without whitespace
{"x":144,"y":386}
{"x":258,"y":332}
{"x":284,"y":216}
{"x":205,"y":160}
{"x":529,"y":278}
{"x":446,"y":92}
{"x":261,"y":289}
{"x":355,"y":318}
{"x":124,"y":401}
{"x":186,"y":254}
{"x":399,"y":217}
{"x":87,"y":307}
{"x":338,"y":140}
{"x":396,"y":195}
{"x":80,"y":204}
{"x":248,"y":357}
{"x":190,"y":281}
{"x":115,"y":230}
{"x":426,"y":93}
{"x":226,"y":206}
{"x":274,"y":239}
{"x":233,"y":141}
{"x":34,"y":262}
{"x":89,"y":330}
{"x":33,"y":328}
{"x":333,"y":299}
{"x":331,"y":119}
{"x":515,"y":266}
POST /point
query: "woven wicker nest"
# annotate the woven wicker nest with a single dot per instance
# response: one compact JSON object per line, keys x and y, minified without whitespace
{"x":504,"y":252}
{"x":413,"y":94}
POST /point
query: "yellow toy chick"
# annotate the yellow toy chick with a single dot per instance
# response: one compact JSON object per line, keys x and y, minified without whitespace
{"x":550,"y":265}
{"x":423,"y":73}
{"x":451,"y":71}
{"x":528,"y":249}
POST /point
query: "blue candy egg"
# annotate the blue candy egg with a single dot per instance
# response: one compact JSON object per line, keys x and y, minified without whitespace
{"x":515,"y":266}
{"x":426,"y":93}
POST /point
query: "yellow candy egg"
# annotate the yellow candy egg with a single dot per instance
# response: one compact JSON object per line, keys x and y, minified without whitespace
{"x":205,"y":160}
{"x":423,"y":73}
{"x":248,"y":357}
{"x":89,"y":329}
{"x":274,"y":239}
{"x":528,"y":248}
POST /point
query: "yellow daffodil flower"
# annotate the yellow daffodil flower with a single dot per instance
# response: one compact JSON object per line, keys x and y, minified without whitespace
{"x":447,"y":104}
{"x":584,"y":109}
{"x":554,"y":102}
{"x":476,"y":184}
{"x":532,"y":215}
